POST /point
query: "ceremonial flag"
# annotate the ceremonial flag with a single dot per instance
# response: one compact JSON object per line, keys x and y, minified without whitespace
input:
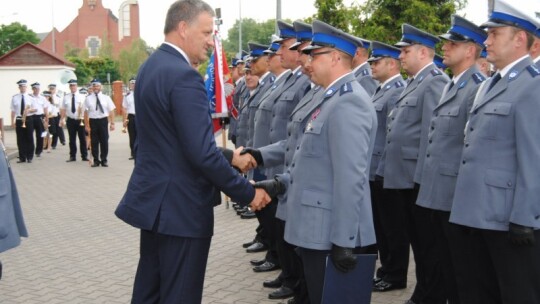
{"x":219,"y":86}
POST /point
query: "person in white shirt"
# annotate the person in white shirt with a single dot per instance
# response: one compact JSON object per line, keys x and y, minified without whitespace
{"x":21,"y":106}
{"x":57,"y":100}
{"x":72,"y":114}
{"x":99,"y":112}
{"x":128,"y":106}
{"x":40,"y":116}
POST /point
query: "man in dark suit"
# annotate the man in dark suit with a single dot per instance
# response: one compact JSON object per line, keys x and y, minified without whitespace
{"x":179,"y":170}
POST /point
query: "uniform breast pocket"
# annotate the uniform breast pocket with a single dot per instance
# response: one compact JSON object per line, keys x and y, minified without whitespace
{"x":311,"y":145}
{"x":316,"y":212}
{"x":381,"y":114}
{"x":409,"y":109}
{"x":496,"y":119}
{"x":285,"y":105}
{"x":500,"y":187}
{"x":449,"y":122}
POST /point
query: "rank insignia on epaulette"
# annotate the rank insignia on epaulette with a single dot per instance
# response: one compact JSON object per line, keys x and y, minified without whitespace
{"x":478,"y":77}
{"x":399,"y":84}
{"x":298,"y":74}
{"x":462,"y":84}
{"x":330,"y":92}
{"x":365,"y":72}
{"x":273,"y":87}
{"x":345,"y":88}
{"x":387,"y":87}
{"x":436,"y":72}
{"x":272,"y":79}
{"x":420,"y":78}
{"x":513,"y":75}
{"x":533,"y":69}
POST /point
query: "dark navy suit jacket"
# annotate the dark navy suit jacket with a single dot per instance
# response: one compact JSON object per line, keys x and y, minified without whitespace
{"x":179,"y":170}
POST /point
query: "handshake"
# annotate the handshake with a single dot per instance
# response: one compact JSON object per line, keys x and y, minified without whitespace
{"x":264,"y":192}
{"x":245,"y":159}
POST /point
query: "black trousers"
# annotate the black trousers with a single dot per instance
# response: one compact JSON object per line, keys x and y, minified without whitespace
{"x":53,"y":127}
{"x":59,"y":134}
{"x":492,"y":270}
{"x":132,"y":131}
{"x":25,"y":139}
{"x":76,"y":130}
{"x":267,"y":220}
{"x":378,"y":197}
{"x":171,"y":269}
{"x":38,"y":129}
{"x":100,"y":139}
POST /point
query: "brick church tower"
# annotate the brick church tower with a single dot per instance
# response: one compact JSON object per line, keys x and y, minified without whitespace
{"x":94,"y":26}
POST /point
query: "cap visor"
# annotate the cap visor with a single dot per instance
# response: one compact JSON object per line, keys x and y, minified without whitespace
{"x":371,"y":59}
{"x":294,"y":47}
{"x":402,"y":44}
{"x":492,"y":24}
{"x":310,"y":48}
{"x":449,"y":36}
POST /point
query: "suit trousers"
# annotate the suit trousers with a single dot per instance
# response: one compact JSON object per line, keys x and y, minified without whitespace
{"x":171,"y":269}
{"x":25,"y":139}
{"x":100,"y":139}
{"x":494,"y":270}
{"x":378,"y":197}
{"x":38,"y":129}
{"x":132,"y":132}
{"x":76,"y":130}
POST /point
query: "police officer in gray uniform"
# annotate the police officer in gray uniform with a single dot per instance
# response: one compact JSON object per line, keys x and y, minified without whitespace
{"x":385,"y":67}
{"x":497,"y":194}
{"x":239,"y":91}
{"x":361,"y":68}
{"x":281,"y":153}
{"x":328,"y":200}
{"x":406,"y":139}
{"x":463,"y":44}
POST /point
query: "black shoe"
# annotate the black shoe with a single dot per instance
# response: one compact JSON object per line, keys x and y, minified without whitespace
{"x":257,"y":262}
{"x":266,"y":266}
{"x":256,"y":247}
{"x":281,"y":293}
{"x":376,"y":280}
{"x":246,"y":245}
{"x":242,"y":210}
{"x":248,"y":215}
{"x":84,"y":159}
{"x":292,"y":301}
{"x":131,"y":158}
{"x":96,"y":164}
{"x":104,"y":164}
{"x":54,"y":148}
{"x":276,"y":283}
{"x":38,"y":155}
{"x":21,"y":161}
{"x":29,"y":161}
{"x":71,"y":159}
{"x":63,"y":143}
{"x":383,"y":286}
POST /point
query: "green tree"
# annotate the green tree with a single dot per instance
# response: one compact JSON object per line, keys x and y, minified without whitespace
{"x":334,"y":13}
{"x":382,"y":19}
{"x":252,"y":30}
{"x":130,"y":60}
{"x":83,"y":72}
{"x":15,"y":34}
{"x":95,"y":67}
{"x":106,"y":48}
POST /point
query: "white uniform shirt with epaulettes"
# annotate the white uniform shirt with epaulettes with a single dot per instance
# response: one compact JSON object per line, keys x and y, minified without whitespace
{"x":54,"y":107}
{"x":93,"y":110}
{"x":79,"y":105}
{"x":129,"y":102}
{"x":40,"y":104}
{"x":445,"y":140}
{"x":499,"y":171}
{"x":16,"y":103}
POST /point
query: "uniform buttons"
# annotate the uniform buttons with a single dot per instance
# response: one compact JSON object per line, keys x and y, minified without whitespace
{"x":291,"y":181}
{"x":509,"y":184}
{"x":273,"y":115}
{"x":289,"y":133}
{"x":388,"y":142}
{"x":427,"y":156}
{"x":290,"y":119}
{"x":436,"y":114}
{"x":292,"y":165}
{"x":466,"y":145}
{"x":287,"y":149}
{"x":286,"y":164}
{"x":430,"y":141}
{"x":297,"y":147}
{"x":475,"y":112}
{"x":389,"y":130}
{"x":471,"y":129}
{"x":392,"y":118}
{"x":464,"y":162}
{"x":271,"y":130}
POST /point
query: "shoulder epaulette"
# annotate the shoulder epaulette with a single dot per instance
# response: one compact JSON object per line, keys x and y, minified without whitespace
{"x":365,"y":72}
{"x":399,"y":84}
{"x":345,"y":88}
{"x":436,"y":72}
{"x":533,"y":69}
{"x":478,"y":77}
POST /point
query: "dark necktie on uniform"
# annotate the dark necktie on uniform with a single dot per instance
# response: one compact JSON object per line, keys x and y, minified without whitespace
{"x":22,"y":105}
{"x":72,"y":103}
{"x":98,"y":104}
{"x":409,"y":80}
{"x":450,"y":86}
{"x":495,"y":79}
{"x":377,"y":90}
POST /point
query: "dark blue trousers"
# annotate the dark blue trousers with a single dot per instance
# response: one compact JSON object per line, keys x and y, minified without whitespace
{"x":171,"y":269}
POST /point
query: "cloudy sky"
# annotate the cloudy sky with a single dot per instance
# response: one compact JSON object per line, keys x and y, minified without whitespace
{"x":41,"y":15}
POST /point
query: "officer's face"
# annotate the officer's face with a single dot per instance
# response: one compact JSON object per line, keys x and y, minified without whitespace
{"x":259,"y":66}
{"x":274,"y":63}
{"x":379,"y":69}
{"x":73,"y":88}
{"x":410,"y":60}
{"x":96,"y":88}
{"x":320,"y":61}
{"x":35,"y":90}
{"x":288,"y":57}
{"x":22,"y":88}
{"x":198,"y":37}
{"x":252,"y":81}
{"x":501,"y":45}
{"x":303,"y":58}
{"x":240,"y":67}
{"x":454,"y":53}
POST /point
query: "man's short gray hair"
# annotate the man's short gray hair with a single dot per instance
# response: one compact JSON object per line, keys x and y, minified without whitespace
{"x":185,"y":10}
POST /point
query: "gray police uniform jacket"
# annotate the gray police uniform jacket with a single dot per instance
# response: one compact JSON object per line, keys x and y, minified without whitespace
{"x":363,"y":75}
{"x":273,"y":114}
{"x":383,"y":102}
{"x":328,"y":190}
{"x":282,"y":152}
{"x":238,"y":92}
{"x":271,"y":89}
{"x":499,"y":176}
{"x":445,"y":142}
{"x":407,"y":128}
{"x":245,"y":111}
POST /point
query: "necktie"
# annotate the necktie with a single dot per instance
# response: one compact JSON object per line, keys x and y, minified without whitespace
{"x":22,"y":104}
{"x":377,"y":90}
{"x":409,"y":80}
{"x":495,"y":79}
{"x":72,"y":103}
{"x":450,"y":86}
{"x":98,"y":105}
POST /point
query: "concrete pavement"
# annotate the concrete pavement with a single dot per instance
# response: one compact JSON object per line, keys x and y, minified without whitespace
{"x":79,"y":252}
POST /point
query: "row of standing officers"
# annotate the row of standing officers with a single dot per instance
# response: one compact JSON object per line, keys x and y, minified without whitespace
{"x":355,"y":155}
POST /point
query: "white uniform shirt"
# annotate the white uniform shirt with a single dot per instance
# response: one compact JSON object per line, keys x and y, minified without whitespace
{"x":56,"y":102}
{"x":40,"y":104}
{"x":79,"y":105}
{"x":91,"y":105}
{"x":16,"y":103}
{"x":129,"y":102}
